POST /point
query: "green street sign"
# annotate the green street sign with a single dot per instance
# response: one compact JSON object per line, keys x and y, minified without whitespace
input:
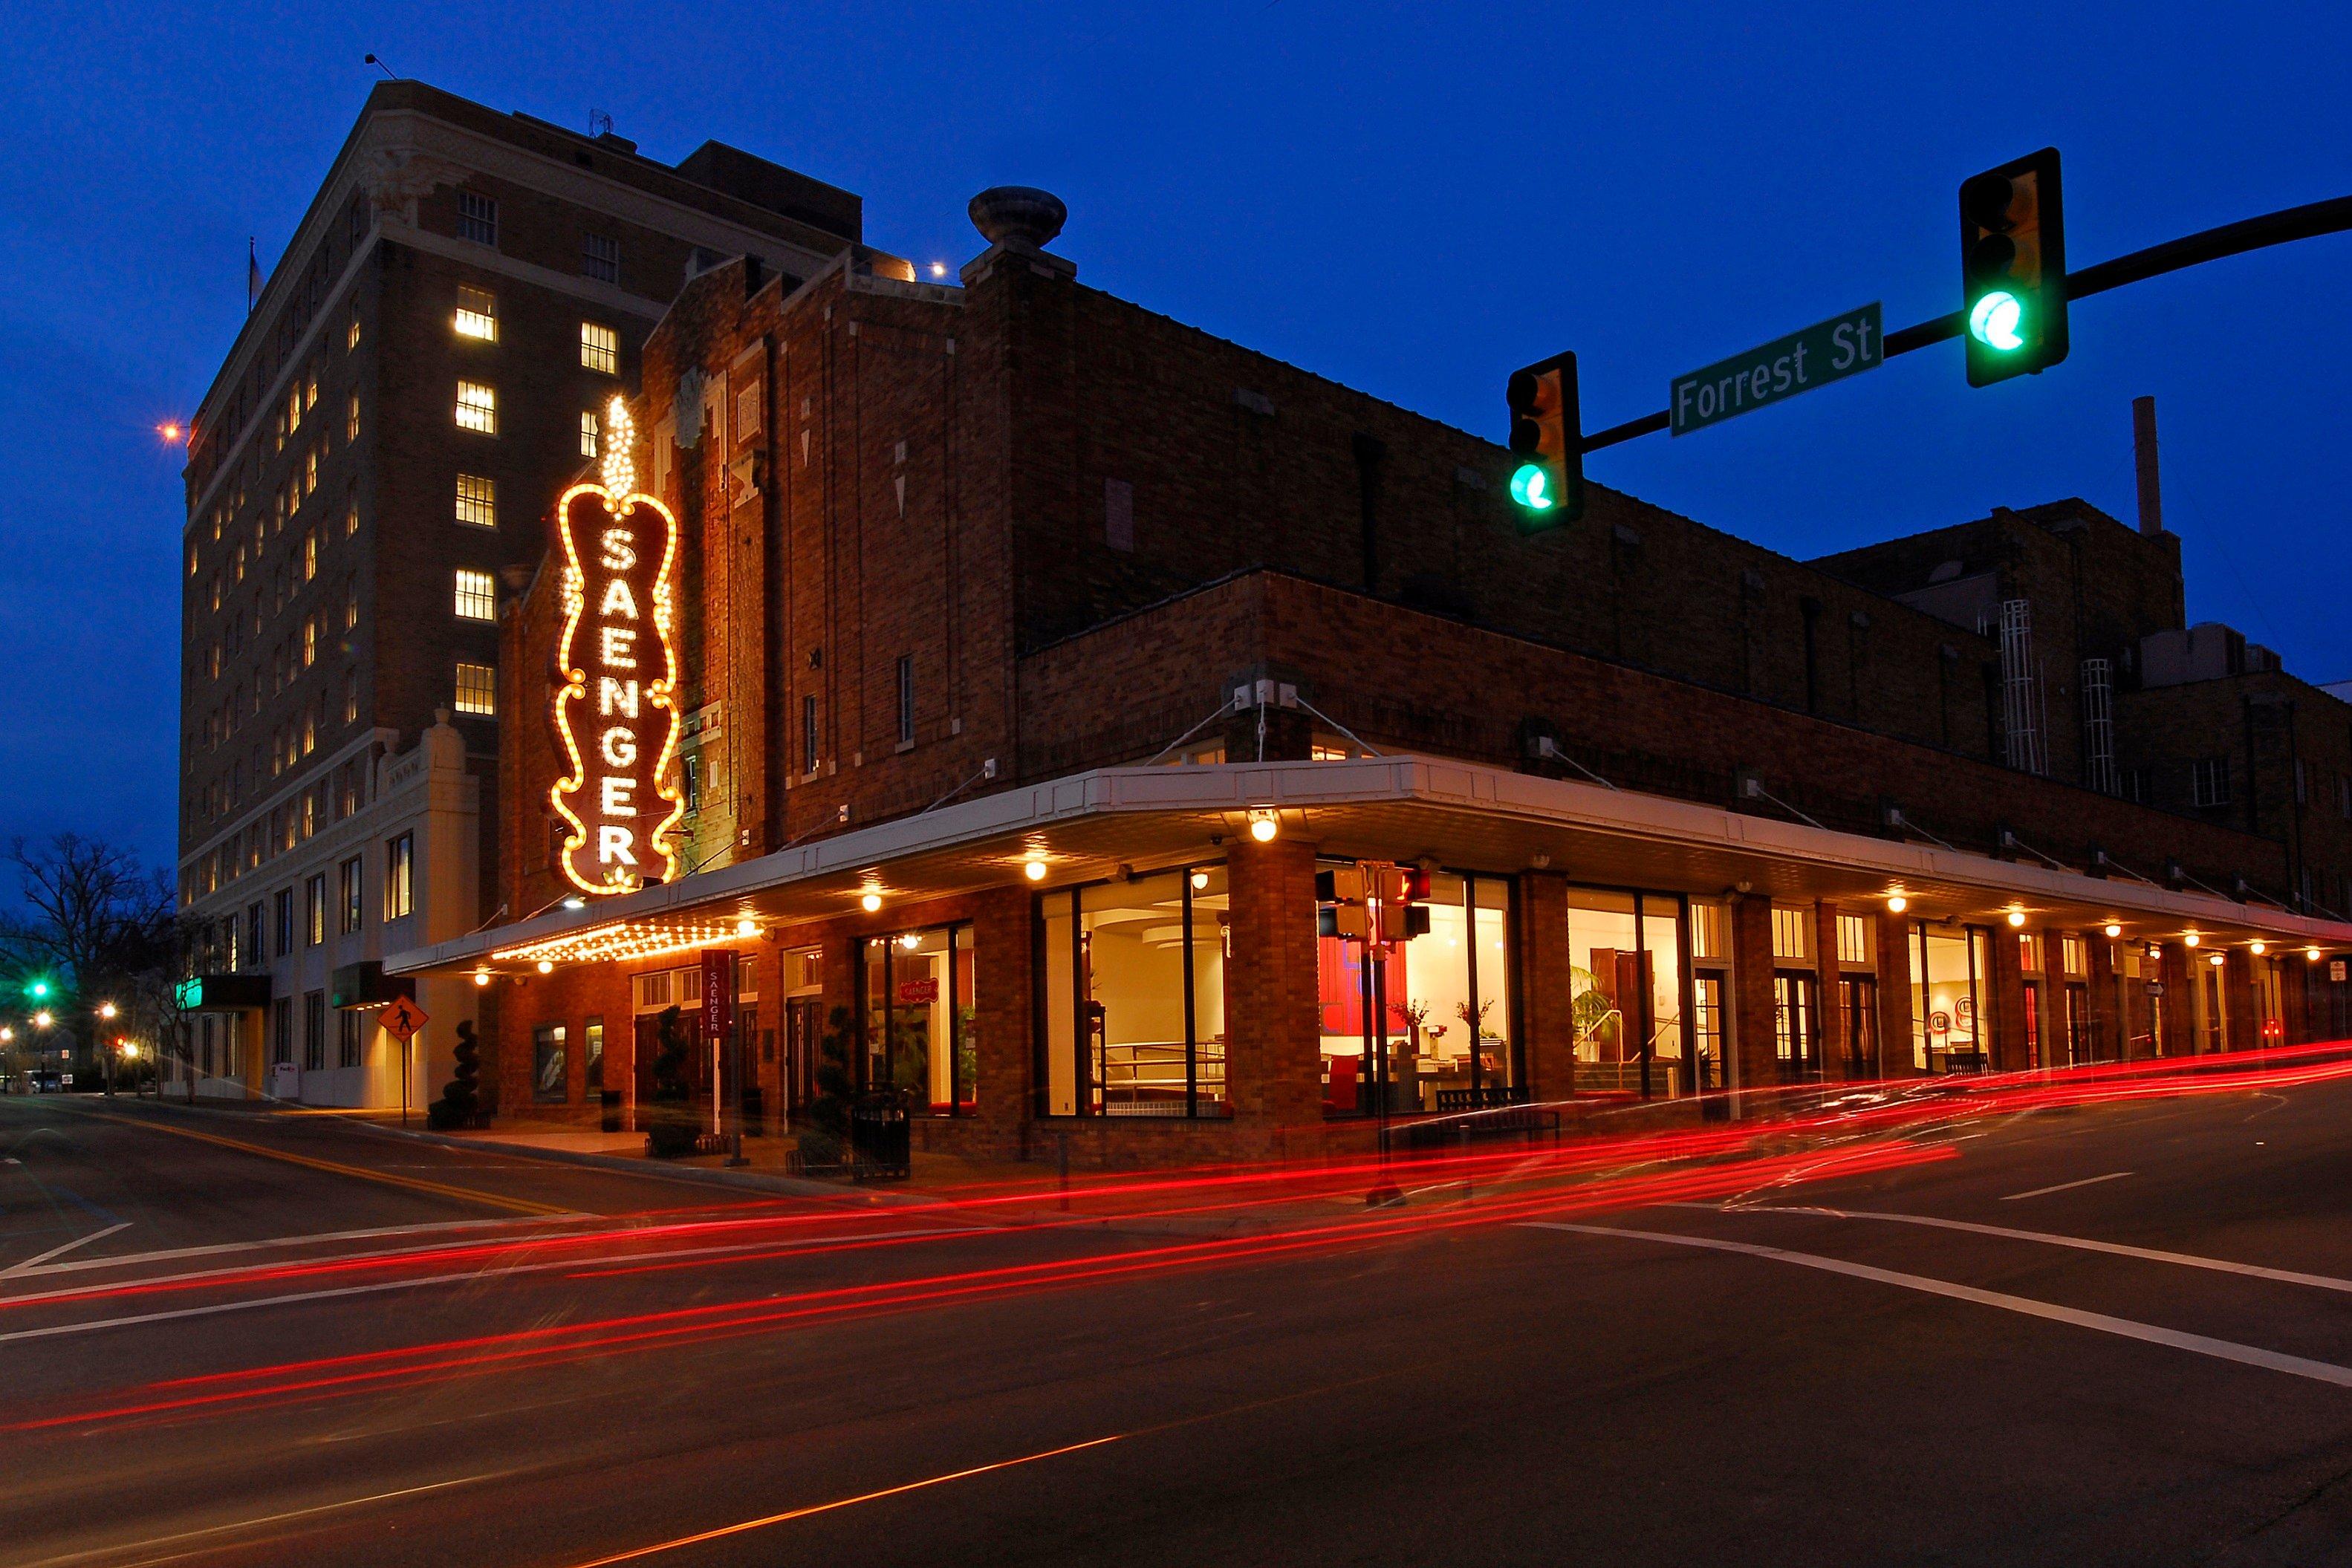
{"x":1776,"y":371}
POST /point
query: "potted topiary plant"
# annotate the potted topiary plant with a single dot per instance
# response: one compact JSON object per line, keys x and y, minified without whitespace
{"x":460,"y":1101}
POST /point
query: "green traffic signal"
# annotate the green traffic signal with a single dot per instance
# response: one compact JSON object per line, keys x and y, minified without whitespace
{"x":1532,"y":487}
{"x":1994,"y":320}
{"x":38,"y":989}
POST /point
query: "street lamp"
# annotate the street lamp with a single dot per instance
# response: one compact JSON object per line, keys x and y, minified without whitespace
{"x":106,"y":1010}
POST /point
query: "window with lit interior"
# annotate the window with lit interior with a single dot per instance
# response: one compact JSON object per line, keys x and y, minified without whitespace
{"x":600,"y":347}
{"x":478,"y":408}
{"x":476,"y":596}
{"x":477,"y":689}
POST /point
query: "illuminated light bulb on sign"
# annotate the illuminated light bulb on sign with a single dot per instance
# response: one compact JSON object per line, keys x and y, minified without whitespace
{"x":1994,"y":321}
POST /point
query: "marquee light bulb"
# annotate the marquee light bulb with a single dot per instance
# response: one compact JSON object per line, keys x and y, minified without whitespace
{"x":747,"y":928}
{"x":1896,"y":904}
{"x":1994,"y":320}
{"x":871,"y":903}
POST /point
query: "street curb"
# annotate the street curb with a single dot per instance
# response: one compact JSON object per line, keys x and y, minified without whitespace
{"x":626,"y":1164}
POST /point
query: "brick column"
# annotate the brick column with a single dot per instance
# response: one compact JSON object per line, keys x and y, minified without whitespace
{"x":1002,"y":935}
{"x":2008,"y":986}
{"x":1751,"y":993}
{"x":1271,"y":1021}
{"x":2244,"y":1013}
{"x":1833,"y":1011}
{"x":2109,"y":1026}
{"x":2179,"y":1006}
{"x":1546,"y":999}
{"x":2295,"y":998}
{"x":1895,"y":994}
{"x":2054,"y":981}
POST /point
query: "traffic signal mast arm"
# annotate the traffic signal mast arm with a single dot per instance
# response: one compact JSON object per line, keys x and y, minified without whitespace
{"x":2308,"y":222}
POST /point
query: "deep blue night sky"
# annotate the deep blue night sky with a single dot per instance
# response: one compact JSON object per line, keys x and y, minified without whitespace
{"x":1410,"y":199}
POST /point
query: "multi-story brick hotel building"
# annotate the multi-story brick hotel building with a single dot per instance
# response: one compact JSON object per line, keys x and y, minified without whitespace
{"x":982,"y":673}
{"x":429,"y":363}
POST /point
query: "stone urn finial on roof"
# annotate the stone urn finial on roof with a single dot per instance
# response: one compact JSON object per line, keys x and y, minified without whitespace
{"x":1019,"y":216}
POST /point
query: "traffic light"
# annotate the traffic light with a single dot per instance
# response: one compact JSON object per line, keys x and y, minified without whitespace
{"x":1547,"y":437}
{"x":1402,"y":915}
{"x":38,"y":988}
{"x":1341,"y":889}
{"x":2013,"y":269}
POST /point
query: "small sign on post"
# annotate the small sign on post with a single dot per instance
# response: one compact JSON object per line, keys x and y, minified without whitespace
{"x":402,"y":1018}
{"x":1776,"y":371}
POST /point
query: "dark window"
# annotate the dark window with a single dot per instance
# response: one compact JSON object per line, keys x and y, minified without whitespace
{"x":254,"y":951}
{"x":348,"y":1023}
{"x":689,"y":782}
{"x":478,"y":218}
{"x":314,"y":1030}
{"x":906,"y":699}
{"x":2209,"y":781}
{"x":808,"y":735}
{"x":281,"y":1030}
{"x":353,"y":915}
{"x":285,"y":924}
{"x":600,"y":257}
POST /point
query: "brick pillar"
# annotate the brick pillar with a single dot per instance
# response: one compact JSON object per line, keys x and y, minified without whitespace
{"x":1751,"y":993}
{"x":1002,"y":935}
{"x":2008,"y":978}
{"x":1832,"y":1012}
{"x":2245,"y":1013}
{"x":1547,"y":997}
{"x":2179,"y":1006}
{"x":2295,"y":998}
{"x":2054,"y":981}
{"x":2109,"y":1029}
{"x":1895,"y":994}
{"x":1271,"y":1026}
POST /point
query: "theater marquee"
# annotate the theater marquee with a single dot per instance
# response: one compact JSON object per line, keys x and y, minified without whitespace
{"x":617,"y":712}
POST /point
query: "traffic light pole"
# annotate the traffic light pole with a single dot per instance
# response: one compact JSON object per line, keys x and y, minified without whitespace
{"x":2309,"y":220}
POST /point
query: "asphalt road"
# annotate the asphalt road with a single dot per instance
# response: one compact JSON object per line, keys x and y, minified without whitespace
{"x":2117,"y":1333}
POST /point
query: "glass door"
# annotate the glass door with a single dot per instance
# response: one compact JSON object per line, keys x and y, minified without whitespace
{"x":1860,"y":993}
{"x":1796,"y":1025}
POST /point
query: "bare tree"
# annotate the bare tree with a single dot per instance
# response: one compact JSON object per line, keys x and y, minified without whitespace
{"x":101,"y":924}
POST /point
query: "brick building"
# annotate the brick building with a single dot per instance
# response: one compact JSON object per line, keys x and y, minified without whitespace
{"x":1033,"y":651}
{"x":427,"y":364}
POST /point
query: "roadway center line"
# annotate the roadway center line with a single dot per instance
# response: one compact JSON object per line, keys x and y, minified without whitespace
{"x":2067,"y":1186}
{"x":2125,"y":1328}
{"x":2081,"y":1243}
{"x":38,"y":1258}
{"x":315,"y":1237}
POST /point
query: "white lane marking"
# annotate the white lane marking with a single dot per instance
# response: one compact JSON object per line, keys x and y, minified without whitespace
{"x":570,"y":1265}
{"x":2067,"y":1186}
{"x":266,"y":1519}
{"x":2081,"y":1243}
{"x":38,"y":1258}
{"x":316,"y":1237}
{"x":2127,"y":1328}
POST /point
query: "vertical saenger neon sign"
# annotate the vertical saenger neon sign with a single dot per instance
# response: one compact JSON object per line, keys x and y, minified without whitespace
{"x":617,"y":712}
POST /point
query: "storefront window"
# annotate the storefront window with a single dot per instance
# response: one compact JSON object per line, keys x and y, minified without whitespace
{"x":592,"y":1048}
{"x":548,"y":1084}
{"x":1625,"y":978}
{"x":918,"y":1036}
{"x":1133,"y":1020}
{"x":1447,"y":994}
{"x":1945,"y":995}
